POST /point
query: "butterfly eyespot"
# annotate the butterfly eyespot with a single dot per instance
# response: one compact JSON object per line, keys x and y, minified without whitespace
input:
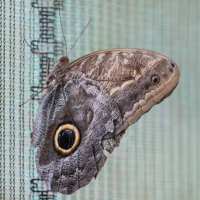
{"x":66,"y":139}
{"x":155,"y":79}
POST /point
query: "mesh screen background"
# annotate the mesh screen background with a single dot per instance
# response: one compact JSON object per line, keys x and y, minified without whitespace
{"x":159,"y":156}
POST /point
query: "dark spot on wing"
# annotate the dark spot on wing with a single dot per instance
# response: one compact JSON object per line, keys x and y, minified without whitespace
{"x":89,"y":64}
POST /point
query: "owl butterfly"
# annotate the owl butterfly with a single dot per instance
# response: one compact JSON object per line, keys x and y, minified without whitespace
{"x":87,"y":107}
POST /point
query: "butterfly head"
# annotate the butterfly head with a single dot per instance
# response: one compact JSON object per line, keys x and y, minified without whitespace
{"x":56,"y":74}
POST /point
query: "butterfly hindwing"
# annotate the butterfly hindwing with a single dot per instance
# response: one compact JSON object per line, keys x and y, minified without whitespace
{"x":71,"y":103}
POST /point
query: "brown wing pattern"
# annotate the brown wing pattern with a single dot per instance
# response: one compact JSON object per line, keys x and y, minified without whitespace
{"x":66,"y":174}
{"x":88,"y":94}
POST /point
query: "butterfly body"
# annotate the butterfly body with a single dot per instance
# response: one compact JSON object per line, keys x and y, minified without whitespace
{"x":96,"y":97}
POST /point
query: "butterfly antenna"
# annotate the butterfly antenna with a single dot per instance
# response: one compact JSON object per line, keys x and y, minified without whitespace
{"x":79,"y":36}
{"x":36,"y":52}
{"x":33,"y":96}
{"x":62,"y":26}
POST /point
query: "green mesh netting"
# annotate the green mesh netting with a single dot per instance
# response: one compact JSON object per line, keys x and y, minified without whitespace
{"x":159,"y":157}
